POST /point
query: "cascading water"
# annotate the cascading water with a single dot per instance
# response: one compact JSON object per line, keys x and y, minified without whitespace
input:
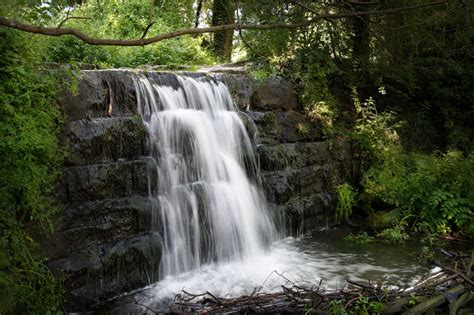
{"x":211,"y":209}
{"x":211,"y":216}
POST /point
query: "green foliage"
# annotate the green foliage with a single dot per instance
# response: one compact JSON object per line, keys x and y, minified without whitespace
{"x":428,"y":73}
{"x":375,"y":132}
{"x":436,"y":190}
{"x":324,"y":113}
{"x":263,"y":71}
{"x":266,"y":45}
{"x":26,"y":283}
{"x":336,"y":307}
{"x":364,"y":307}
{"x":347,"y":198}
{"x":127,"y":20}
{"x":394,"y":235}
{"x":30,"y":159}
{"x":303,"y":129}
{"x":315,"y":73}
{"x":362,"y":238}
{"x":300,"y":54}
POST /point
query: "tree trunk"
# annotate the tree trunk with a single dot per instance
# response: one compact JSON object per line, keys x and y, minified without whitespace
{"x":361,"y":42}
{"x":223,"y":13}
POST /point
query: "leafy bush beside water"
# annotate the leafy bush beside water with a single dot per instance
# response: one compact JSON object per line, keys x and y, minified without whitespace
{"x":430,"y":193}
{"x":436,"y":190}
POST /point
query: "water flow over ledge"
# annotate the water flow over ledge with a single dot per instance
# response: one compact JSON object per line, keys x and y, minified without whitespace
{"x":209,"y":203}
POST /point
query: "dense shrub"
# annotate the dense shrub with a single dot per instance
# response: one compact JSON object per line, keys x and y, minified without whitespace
{"x":431,"y":193}
{"x":30,"y":160}
{"x":437,"y":189}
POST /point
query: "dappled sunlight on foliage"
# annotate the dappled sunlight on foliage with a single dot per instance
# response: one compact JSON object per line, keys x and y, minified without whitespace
{"x":127,"y":20}
{"x":375,"y":132}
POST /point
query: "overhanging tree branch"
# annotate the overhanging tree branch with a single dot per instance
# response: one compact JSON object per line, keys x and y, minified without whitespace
{"x":35,"y":29}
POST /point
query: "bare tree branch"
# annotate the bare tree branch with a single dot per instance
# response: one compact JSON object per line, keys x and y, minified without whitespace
{"x":73,"y":18}
{"x":304,"y":6}
{"x":146,"y":41}
{"x":67,"y":18}
{"x":242,"y":37}
{"x":147,"y":29}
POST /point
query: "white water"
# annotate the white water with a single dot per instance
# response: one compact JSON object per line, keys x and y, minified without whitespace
{"x":210,"y":208}
{"x":304,"y":261}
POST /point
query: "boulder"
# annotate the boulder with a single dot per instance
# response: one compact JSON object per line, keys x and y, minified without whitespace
{"x":275,"y":94}
{"x":98,"y":273}
{"x":92,"y":141}
{"x":108,"y":180}
{"x":285,"y":127}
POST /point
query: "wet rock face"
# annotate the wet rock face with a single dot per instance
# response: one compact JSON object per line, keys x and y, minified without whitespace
{"x":105,"y":244}
{"x":101,"y":94}
{"x":104,"y":139}
{"x":299,"y":180}
{"x":299,"y":167}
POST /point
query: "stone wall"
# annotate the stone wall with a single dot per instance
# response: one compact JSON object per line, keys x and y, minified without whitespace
{"x":105,"y":245}
{"x":299,"y":167}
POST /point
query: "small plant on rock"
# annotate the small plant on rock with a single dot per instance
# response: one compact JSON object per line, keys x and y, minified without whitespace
{"x":347,"y":199}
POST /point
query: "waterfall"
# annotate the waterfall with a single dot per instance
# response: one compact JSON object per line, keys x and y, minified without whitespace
{"x":210,"y":207}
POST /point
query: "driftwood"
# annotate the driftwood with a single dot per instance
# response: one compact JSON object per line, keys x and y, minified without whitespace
{"x":450,"y":286}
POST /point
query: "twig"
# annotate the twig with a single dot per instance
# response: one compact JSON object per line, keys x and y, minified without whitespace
{"x":304,"y":6}
{"x":146,"y":29}
{"x":294,"y":298}
{"x":469,"y":266}
{"x":144,"y":306}
{"x":216,"y":298}
{"x":72,"y":18}
{"x":458,"y":273}
{"x":357,"y":284}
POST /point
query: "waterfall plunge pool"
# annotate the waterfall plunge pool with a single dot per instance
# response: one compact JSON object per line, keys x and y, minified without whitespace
{"x":304,"y":260}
